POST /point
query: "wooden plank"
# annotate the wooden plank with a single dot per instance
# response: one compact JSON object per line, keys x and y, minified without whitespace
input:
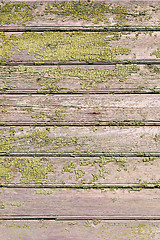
{"x":76,"y":47}
{"x":79,"y":140}
{"x":70,"y":172}
{"x":80,"y":109}
{"x":80,"y":79}
{"x":75,"y":204}
{"x":75,"y":13}
{"x":78,"y":230}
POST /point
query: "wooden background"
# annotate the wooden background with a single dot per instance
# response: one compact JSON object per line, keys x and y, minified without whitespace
{"x":79,"y":120}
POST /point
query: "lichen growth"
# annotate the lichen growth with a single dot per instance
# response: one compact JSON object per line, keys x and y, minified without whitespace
{"x":156,"y":53}
{"x":96,"y":169}
{"x":2,"y":206}
{"x":149,"y":159}
{"x":40,"y":140}
{"x":44,"y":192}
{"x":128,"y":122}
{"x":6,"y":50}
{"x":94,"y":12}
{"x":64,"y":47}
{"x":17,"y":204}
{"x":54,"y":79}
{"x":32,"y":170}
{"x":60,"y":114}
{"x":15,"y":13}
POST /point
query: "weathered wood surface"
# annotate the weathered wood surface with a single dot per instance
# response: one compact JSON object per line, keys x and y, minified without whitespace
{"x":80,"y":79}
{"x":84,"y":47}
{"x":80,"y":109}
{"x":77,"y":140}
{"x":73,"y":172}
{"x":61,"y":160}
{"x":79,"y":230}
{"x":79,"y":203}
{"x":75,"y":13}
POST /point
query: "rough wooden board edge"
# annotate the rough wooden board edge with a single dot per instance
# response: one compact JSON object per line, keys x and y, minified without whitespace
{"x":80,"y":140}
{"x":142,"y":79}
{"x":80,"y":110}
{"x":97,"y":52}
{"x":77,"y":22}
{"x":83,"y":173}
{"x":79,"y":229}
{"x":81,"y":204}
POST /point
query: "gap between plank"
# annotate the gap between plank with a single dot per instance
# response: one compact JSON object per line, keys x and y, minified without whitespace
{"x":76,"y":124}
{"x":49,"y":63}
{"x":78,"y":28}
{"x":110,"y":154}
{"x":73,"y":218}
{"x":84,"y":186}
{"x":111,"y":91}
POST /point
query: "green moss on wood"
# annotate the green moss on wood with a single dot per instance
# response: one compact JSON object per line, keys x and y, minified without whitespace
{"x":44,"y":192}
{"x":32,"y":170}
{"x":40,"y":140}
{"x":94,"y":12}
{"x":17,"y":204}
{"x":156,"y":53}
{"x":54,"y":79}
{"x":15,"y":13}
{"x":64,"y":47}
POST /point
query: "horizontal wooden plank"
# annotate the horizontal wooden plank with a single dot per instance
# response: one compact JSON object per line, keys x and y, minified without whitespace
{"x":80,"y":79}
{"x":84,"y":47}
{"x":79,"y":172}
{"x":80,"y":109}
{"x":79,"y":230}
{"x":79,"y":204}
{"x":75,"y":13}
{"x":79,"y":140}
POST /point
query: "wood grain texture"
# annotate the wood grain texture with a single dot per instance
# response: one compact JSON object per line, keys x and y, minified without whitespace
{"x":86,"y":163}
{"x":80,"y":109}
{"x":80,"y":79}
{"x":79,"y":139}
{"x":75,"y":47}
{"x":73,"y":13}
{"x":79,"y":172}
{"x":78,"y":230}
{"x":78,"y":204}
